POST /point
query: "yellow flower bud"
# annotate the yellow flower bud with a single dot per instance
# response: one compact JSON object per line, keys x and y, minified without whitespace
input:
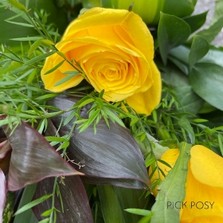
{"x":204,"y":185}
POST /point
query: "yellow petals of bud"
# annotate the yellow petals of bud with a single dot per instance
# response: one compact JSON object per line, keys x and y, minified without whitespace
{"x":204,"y":185}
{"x":114,"y":51}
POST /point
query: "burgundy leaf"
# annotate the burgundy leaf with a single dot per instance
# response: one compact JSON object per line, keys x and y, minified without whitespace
{"x":2,"y":134}
{"x":4,"y":149}
{"x":3,"y":192}
{"x":76,"y":207}
{"x":109,"y":156}
{"x":5,"y":152}
{"x":33,"y":159}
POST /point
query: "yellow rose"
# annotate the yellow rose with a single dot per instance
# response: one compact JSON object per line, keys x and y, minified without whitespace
{"x":114,"y":52}
{"x":204,"y":185}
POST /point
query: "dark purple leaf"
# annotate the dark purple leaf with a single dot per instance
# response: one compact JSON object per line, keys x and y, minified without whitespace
{"x":2,"y":134}
{"x":33,"y":159}
{"x":5,"y":152}
{"x":76,"y":207}
{"x":3,"y":192}
{"x":109,"y":156}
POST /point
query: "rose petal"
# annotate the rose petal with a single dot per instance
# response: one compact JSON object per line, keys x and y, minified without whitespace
{"x":145,"y":102}
{"x":51,"y":79}
{"x":140,"y":37}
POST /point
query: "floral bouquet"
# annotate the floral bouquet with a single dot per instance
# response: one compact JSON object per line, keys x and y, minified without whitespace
{"x":111,"y":112}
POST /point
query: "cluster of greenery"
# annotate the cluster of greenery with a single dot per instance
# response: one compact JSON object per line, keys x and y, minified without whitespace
{"x":113,"y":189}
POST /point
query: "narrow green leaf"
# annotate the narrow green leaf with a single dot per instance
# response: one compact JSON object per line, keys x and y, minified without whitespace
{"x":46,"y":96}
{"x":38,"y":43}
{"x":55,"y":67}
{"x":47,"y":213}
{"x":172,"y":189}
{"x":138,"y":211}
{"x":26,"y":39}
{"x":114,"y":118}
{"x":19,"y":23}
{"x":146,"y":219}
{"x":18,"y":5}
{"x":33,"y":203}
{"x":69,"y":76}
{"x":26,"y":197}
{"x":185,"y":124}
{"x":85,"y":102}
{"x":44,"y":220}
{"x":199,"y":49}
{"x":172,"y":31}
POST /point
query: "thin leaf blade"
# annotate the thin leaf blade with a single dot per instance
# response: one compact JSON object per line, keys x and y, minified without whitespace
{"x":33,"y":204}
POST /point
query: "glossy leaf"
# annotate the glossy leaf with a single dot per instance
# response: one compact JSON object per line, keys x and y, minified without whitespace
{"x":172,"y":189}
{"x":199,"y":49}
{"x":131,"y":198}
{"x":218,"y":10}
{"x":111,"y":155}
{"x":2,"y":194}
{"x":75,"y":208}
{"x":115,"y":200}
{"x":180,"y":8}
{"x":178,"y":81}
{"x":214,"y":56}
{"x":172,"y":31}
{"x":33,"y":159}
{"x":206,"y":80}
{"x":212,"y":31}
{"x":110,"y":205}
{"x":196,"y":21}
